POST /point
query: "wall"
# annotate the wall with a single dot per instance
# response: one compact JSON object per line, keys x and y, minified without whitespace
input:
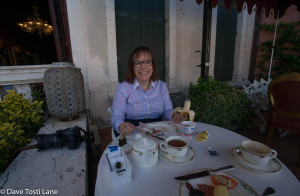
{"x":291,"y":15}
{"x":89,"y":47}
{"x":243,"y":45}
{"x":188,"y":40}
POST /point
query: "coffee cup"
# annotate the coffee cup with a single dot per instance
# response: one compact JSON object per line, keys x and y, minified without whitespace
{"x":175,"y":146}
{"x":188,"y":128}
{"x":257,"y":153}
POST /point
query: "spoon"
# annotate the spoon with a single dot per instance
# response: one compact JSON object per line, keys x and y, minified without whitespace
{"x":268,"y":191}
{"x":170,"y":157}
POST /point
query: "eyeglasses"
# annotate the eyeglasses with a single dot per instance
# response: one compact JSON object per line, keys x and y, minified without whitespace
{"x":139,"y":64}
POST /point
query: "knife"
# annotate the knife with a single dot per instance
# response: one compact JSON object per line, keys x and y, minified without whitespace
{"x":157,"y":137}
{"x":146,"y":126}
{"x":205,"y":173}
{"x":149,"y":134}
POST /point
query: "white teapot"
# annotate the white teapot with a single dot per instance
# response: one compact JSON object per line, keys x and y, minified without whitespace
{"x":144,"y":152}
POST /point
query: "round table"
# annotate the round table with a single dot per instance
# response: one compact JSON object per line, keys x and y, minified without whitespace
{"x":159,"y":180}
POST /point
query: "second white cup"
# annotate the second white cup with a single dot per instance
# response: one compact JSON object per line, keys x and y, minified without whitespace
{"x":257,"y":153}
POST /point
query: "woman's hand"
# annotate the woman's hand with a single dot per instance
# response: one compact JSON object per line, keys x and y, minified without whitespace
{"x":126,"y":128}
{"x":177,"y":117}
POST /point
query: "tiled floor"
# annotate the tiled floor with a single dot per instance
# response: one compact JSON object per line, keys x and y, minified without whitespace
{"x":287,"y":148}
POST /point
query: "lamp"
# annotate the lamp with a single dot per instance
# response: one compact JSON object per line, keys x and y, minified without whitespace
{"x":36,"y":24}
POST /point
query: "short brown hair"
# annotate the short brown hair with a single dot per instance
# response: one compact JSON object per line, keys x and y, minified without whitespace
{"x":129,"y":74}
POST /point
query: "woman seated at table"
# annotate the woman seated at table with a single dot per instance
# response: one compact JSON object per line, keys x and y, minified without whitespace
{"x":142,"y":97}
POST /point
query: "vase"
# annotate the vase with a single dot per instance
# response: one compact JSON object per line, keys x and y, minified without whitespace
{"x":64,"y":89}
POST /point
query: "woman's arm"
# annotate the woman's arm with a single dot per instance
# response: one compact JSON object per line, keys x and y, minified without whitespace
{"x":119,"y":107}
{"x":119,"y":110}
{"x":168,"y":106}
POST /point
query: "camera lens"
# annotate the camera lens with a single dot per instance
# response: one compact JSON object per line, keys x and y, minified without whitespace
{"x":118,"y":165}
{"x":45,"y":141}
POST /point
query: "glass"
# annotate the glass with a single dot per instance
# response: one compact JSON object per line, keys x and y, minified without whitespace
{"x":139,"y":64}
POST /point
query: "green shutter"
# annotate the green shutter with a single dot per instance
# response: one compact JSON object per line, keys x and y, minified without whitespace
{"x":139,"y":23}
{"x":225,"y":43}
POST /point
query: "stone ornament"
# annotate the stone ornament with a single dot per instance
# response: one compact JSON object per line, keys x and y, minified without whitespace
{"x":64,"y":89}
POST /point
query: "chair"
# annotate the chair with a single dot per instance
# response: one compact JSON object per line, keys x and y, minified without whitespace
{"x":113,"y":137}
{"x":284,"y":97}
{"x":258,"y":94}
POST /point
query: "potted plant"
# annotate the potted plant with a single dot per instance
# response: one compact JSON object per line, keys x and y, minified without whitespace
{"x":219,"y":104}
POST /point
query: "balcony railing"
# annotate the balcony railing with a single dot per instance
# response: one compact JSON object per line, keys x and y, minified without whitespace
{"x":22,"y":77}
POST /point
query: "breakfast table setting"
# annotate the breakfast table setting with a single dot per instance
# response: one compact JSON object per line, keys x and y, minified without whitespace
{"x":191,"y":158}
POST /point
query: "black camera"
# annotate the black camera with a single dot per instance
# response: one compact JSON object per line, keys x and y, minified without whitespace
{"x":70,"y":137}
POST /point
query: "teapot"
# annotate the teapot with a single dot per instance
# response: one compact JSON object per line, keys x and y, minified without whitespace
{"x":144,"y":152}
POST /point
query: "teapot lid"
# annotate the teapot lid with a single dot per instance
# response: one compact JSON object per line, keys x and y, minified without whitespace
{"x":144,"y":142}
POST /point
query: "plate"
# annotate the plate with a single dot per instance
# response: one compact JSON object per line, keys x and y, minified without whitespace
{"x":165,"y":129}
{"x":188,"y":158}
{"x":242,"y":188}
{"x":273,"y":166}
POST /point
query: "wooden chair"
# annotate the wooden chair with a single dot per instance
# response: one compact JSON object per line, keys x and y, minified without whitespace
{"x":284,"y":97}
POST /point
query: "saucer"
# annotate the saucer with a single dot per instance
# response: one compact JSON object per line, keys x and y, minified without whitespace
{"x":188,"y":158}
{"x":273,"y":166}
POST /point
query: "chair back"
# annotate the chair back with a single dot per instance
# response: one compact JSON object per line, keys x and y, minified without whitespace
{"x":284,"y":95}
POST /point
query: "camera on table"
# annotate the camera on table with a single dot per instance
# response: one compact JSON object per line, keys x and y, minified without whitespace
{"x":116,"y":160}
{"x":70,"y":137}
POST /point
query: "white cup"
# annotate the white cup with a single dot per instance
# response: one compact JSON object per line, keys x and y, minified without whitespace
{"x":175,"y":145}
{"x":257,"y":153}
{"x":188,"y":128}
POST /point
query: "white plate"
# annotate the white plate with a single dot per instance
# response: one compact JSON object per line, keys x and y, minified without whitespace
{"x":242,"y":188}
{"x":188,"y":158}
{"x":166,"y":129}
{"x":273,"y":166}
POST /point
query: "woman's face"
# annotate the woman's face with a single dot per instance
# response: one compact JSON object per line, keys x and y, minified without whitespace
{"x":143,"y":67}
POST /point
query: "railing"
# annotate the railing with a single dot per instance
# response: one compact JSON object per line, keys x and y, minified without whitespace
{"x":21,"y":77}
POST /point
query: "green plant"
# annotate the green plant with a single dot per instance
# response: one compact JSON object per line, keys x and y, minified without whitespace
{"x":217,"y":103}
{"x":11,"y":137}
{"x":16,"y":109}
{"x":39,"y":95}
{"x":286,"y":57}
{"x":20,"y":119}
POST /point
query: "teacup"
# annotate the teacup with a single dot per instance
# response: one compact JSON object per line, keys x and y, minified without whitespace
{"x":175,"y":146}
{"x":257,"y":153}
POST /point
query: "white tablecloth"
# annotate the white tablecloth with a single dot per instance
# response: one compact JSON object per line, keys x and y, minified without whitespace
{"x":159,"y":180}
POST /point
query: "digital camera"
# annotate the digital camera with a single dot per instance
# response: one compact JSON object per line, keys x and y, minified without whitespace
{"x":70,"y":137}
